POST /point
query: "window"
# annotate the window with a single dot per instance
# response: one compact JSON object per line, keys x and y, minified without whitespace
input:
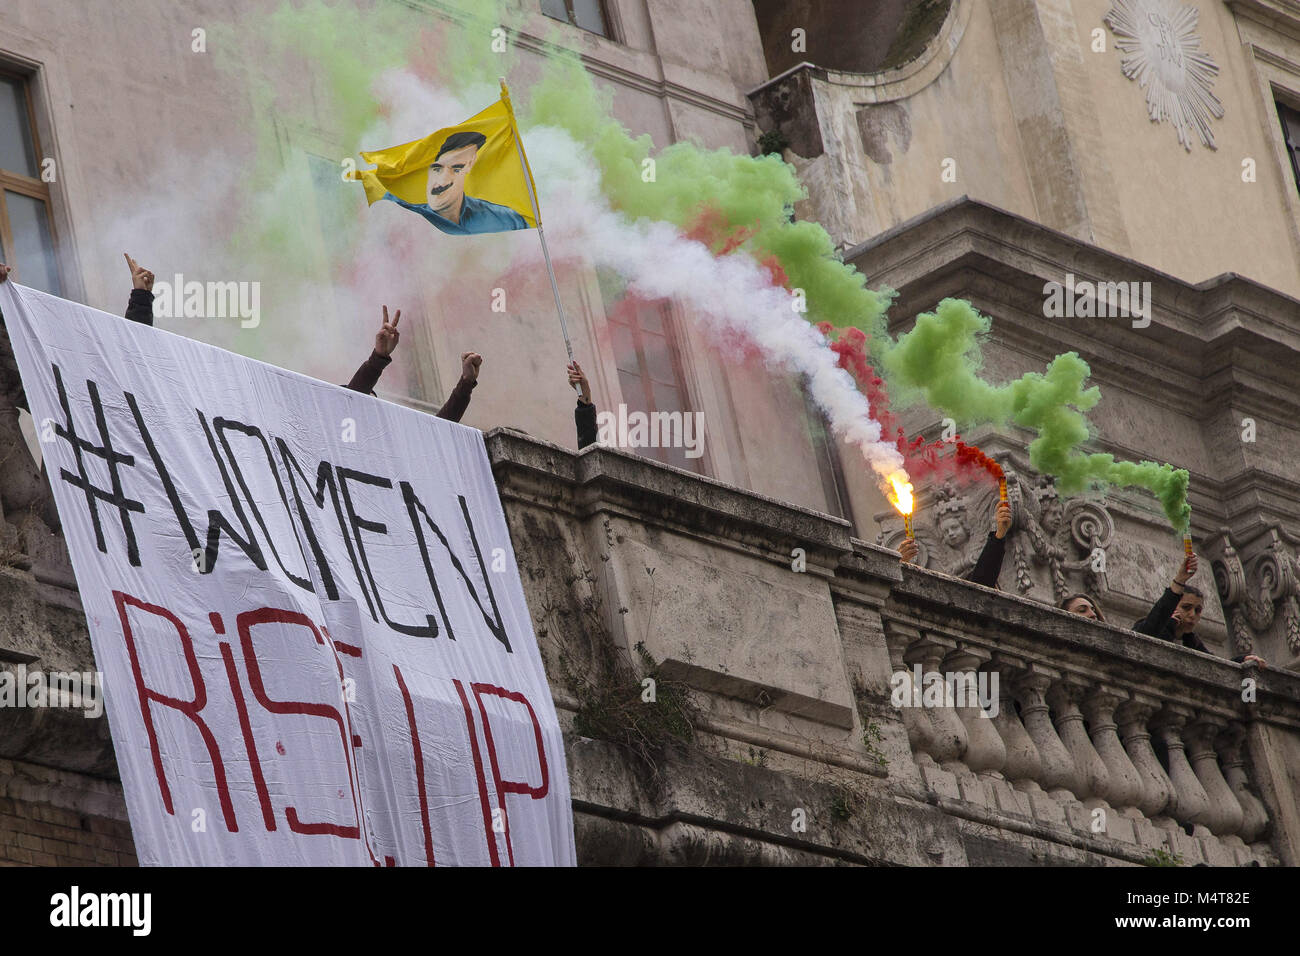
{"x":587,"y":14}
{"x":651,"y":380}
{"x":829,"y":466}
{"x":1291,"y":133}
{"x":26,"y":234}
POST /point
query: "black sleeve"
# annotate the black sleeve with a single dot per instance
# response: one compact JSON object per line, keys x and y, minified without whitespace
{"x":454,"y":407}
{"x":989,"y":565}
{"x":1160,"y":613}
{"x":368,"y":374}
{"x":584,"y":416}
{"x":140,"y":307}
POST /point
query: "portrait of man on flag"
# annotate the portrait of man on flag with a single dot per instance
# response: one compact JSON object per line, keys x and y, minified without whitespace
{"x":465,"y":180}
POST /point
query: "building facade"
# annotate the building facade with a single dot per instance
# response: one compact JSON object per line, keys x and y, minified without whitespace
{"x":988,"y":149}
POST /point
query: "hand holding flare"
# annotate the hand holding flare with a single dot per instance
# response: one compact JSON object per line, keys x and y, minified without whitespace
{"x":902,"y":500}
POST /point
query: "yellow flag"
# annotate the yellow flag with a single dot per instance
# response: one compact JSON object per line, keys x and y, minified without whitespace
{"x":465,"y":179}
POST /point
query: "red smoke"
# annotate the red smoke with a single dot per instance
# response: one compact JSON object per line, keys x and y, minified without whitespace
{"x":936,"y":459}
{"x":710,"y":228}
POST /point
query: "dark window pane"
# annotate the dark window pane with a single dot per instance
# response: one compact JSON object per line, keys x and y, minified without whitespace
{"x":633,"y":389}
{"x":17,"y":150}
{"x":1291,"y":134}
{"x":555,"y":9}
{"x":658,"y":358}
{"x":33,"y":244}
{"x":336,"y":204}
{"x":588,"y":15}
{"x":652,"y":316}
{"x":624,"y":348}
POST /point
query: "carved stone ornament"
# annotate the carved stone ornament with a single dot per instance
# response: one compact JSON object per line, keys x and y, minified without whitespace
{"x":1068,"y":538}
{"x":1258,"y":591}
{"x":1162,"y":52}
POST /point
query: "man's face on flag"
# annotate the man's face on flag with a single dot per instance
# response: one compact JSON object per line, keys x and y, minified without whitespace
{"x":447,"y":180}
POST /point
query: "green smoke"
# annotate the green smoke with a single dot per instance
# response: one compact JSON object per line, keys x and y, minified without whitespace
{"x":751,"y":192}
{"x":342,"y":49}
{"x":939,"y":361}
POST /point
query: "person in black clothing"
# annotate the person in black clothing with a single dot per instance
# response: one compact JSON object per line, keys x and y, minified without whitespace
{"x":989,"y":565}
{"x":1177,"y":612}
{"x":386,"y":341}
{"x":584,"y":416}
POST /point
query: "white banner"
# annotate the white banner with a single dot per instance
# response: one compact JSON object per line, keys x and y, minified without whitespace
{"x":304,"y":603}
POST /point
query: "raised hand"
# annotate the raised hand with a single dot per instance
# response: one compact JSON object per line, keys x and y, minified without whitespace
{"x":1187,"y":571}
{"x":469,"y":363}
{"x":578,"y":380}
{"x":1003,"y":519}
{"x":386,"y":338}
{"x":908,"y":550}
{"x":141,"y":278}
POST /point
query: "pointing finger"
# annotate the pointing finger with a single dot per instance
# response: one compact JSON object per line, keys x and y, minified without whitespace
{"x":396,"y":315}
{"x":385,"y":315}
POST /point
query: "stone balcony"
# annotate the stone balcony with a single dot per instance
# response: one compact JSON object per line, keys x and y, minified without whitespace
{"x":1106,"y":746}
{"x":778,"y":637}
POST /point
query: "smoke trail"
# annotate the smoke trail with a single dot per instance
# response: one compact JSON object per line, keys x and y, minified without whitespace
{"x":727,"y":296}
{"x":922,"y":460}
{"x":755,"y":194}
{"x":938,"y":361}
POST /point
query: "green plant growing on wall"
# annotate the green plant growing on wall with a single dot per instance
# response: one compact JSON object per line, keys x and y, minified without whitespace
{"x":645,"y":712}
{"x":871,"y":732}
{"x":844,"y":803}
{"x":1162,"y":857}
{"x":871,"y":736}
{"x":773,"y":141}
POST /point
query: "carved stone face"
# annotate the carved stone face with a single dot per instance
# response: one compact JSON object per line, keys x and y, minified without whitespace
{"x":953,"y":530}
{"x":1052,"y":514}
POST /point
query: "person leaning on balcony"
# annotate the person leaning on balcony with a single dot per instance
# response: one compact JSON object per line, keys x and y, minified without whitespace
{"x":1082,"y":605}
{"x":386,"y":341}
{"x":1177,"y":612}
{"x":584,"y":416}
{"x":989,"y":565}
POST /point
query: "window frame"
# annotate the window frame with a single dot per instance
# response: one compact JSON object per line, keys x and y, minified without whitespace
{"x":668,"y":316}
{"x":612,"y":32}
{"x":1290,"y":128}
{"x":34,"y":188}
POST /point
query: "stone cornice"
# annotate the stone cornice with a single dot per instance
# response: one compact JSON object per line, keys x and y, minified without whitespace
{"x":1280,"y":15}
{"x":1191,"y":323}
{"x":600,"y":479}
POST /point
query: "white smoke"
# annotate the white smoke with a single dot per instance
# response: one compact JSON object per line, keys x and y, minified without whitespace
{"x":724,"y":295}
{"x":323,"y":322}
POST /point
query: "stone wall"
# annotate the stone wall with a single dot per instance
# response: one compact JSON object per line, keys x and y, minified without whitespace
{"x":775,"y":640}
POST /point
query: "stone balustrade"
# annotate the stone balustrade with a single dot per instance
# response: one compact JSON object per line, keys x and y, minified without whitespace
{"x":1095,"y":729}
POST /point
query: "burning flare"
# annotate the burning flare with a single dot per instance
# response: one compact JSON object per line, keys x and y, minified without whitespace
{"x":902,"y":499}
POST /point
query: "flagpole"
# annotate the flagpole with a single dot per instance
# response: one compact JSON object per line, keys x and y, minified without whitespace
{"x":537,"y":216}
